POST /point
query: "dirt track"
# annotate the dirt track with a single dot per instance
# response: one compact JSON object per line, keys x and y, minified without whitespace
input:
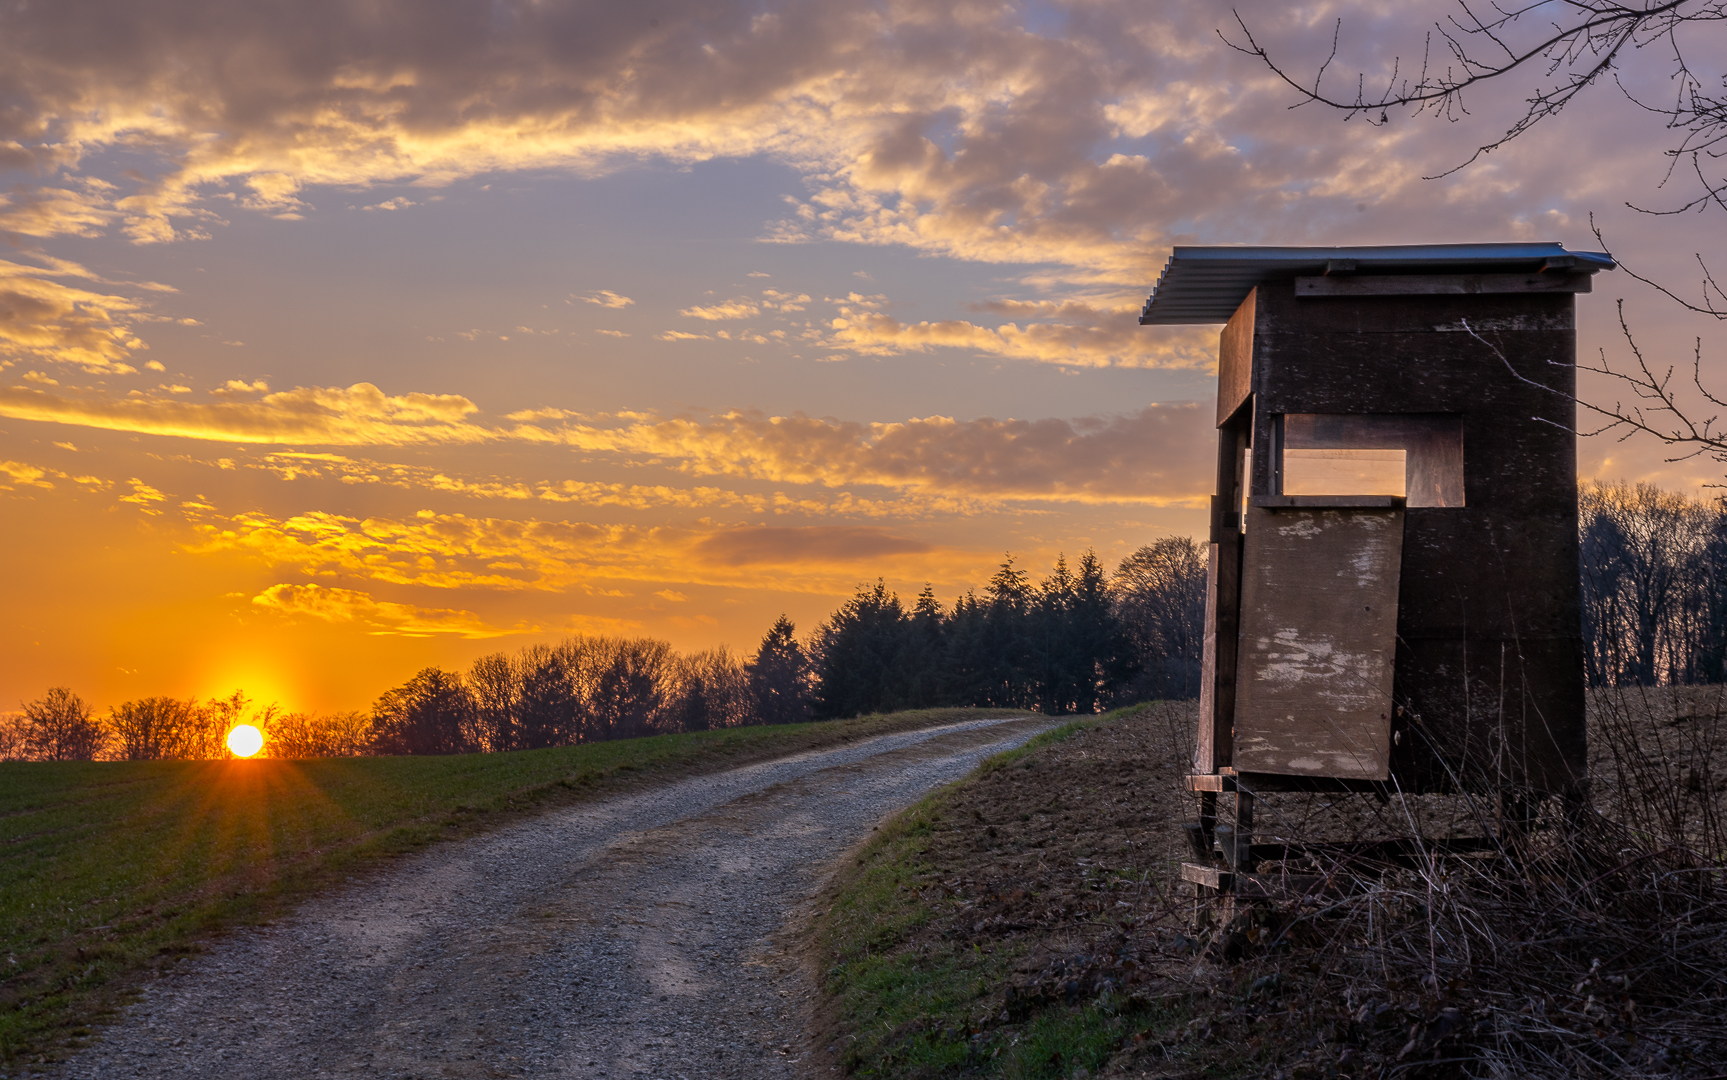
{"x":633,"y":937}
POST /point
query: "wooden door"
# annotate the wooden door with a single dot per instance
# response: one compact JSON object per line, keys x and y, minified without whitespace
{"x":1318,"y":640}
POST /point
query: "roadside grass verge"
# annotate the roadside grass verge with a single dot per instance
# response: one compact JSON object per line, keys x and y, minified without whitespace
{"x":110,"y":869}
{"x":918,"y":985}
{"x":1031,"y":921}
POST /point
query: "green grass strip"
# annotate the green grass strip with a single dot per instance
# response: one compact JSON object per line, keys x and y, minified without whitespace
{"x":109,"y":868}
{"x":912,"y":1012}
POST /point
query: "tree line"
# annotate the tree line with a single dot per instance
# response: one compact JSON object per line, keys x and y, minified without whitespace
{"x":1078,"y":641}
{"x":1075,"y":642}
{"x":1654,"y":586}
{"x":1653,"y":570}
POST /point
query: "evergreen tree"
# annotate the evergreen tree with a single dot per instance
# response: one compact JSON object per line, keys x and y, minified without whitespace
{"x":924,"y":651}
{"x":967,"y":666}
{"x":1099,"y":640}
{"x":859,"y":656}
{"x":1054,"y":661}
{"x":778,"y":675}
{"x":1007,"y":637}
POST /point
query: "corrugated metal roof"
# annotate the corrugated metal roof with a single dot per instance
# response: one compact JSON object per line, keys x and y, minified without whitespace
{"x":1207,"y":284}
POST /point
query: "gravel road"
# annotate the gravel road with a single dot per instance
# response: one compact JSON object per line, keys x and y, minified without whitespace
{"x":631,"y":937}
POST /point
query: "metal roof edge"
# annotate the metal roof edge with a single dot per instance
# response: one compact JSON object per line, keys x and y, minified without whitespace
{"x":1205,"y":283}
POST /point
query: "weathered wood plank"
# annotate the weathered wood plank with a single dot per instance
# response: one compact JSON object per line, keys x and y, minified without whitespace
{"x":1235,"y":361}
{"x":1257,"y":886}
{"x":1441,"y":284}
{"x":1205,"y":746}
{"x":1326,"y":502}
{"x":1318,"y":641}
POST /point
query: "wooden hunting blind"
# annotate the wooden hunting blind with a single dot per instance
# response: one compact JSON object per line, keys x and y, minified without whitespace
{"x":1392,"y":599}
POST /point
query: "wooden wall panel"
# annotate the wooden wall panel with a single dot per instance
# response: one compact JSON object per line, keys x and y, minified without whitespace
{"x":1235,"y":361}
{"x":1318,"y":642}
{"x":1205,"y":746}
{"x":1490,"y":637}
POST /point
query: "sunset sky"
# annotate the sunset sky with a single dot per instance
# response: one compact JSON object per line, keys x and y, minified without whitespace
{"x":338,"y":339}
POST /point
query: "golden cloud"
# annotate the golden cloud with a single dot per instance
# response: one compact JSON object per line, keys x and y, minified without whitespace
{"x":457,"y":551}
{"x":336,"y":605}
{"x":144,"y":496}
{"x":607,"y":298}
{"x":47,"y":212}
{"x":15,"y":474}
{"x":301,"y":465}
{"x":54,"y":321}
{"x":740,"y":307}
{"x":1158,"y":456}
{"x":360,"y":414}
{"x":1119,"y":341}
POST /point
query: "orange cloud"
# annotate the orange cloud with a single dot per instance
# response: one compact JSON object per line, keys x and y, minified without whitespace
{"x":457,"y":551}
{"x":336,"y":605}
{"x":1116,"y":340}
{"x":357,"y":415}
{"x":300,"y":465}
{"x":15,"y":474}
{"x":1158,"y":456}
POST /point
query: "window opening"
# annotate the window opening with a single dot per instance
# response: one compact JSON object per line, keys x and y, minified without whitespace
{"x":1416,"y":455}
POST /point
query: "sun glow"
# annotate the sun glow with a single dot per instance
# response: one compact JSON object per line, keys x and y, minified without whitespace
{"x":245,"y":740}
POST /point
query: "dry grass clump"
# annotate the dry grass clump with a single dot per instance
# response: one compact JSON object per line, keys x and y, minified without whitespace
{"x":1583,"y":940}
{"x":1031,"y":922}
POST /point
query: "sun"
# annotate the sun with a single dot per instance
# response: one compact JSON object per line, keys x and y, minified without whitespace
{"x":245,"y":740}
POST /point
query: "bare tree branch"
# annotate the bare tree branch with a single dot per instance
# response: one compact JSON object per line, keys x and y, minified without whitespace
{"x":1584,"y":44}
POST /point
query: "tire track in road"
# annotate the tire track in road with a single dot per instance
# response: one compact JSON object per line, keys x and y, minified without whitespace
{"x":626,"y":938}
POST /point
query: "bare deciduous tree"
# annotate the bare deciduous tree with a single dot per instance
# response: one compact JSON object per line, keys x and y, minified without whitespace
{"x":1566,"y":46}
{"x":303,"y":735}
{"x":496,"y":684}
{"x":1160,"y":601}
{"x":710,"y":690}
{"x":155,"y":728}
{"x":58,"y":726}
{"x":431,"y":713}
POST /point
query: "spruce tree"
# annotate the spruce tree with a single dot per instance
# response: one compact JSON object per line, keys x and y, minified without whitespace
{"x":778,"y":675}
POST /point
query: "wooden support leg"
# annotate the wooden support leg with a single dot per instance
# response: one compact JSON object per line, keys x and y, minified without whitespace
{"x":1243,"y":862}
{"x":1207,"y":816}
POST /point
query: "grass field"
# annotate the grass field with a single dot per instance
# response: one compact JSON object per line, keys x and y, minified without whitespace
{"x":109,"y":869}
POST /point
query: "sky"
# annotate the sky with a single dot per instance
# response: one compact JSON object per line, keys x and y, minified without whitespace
{"x":341,"y":339}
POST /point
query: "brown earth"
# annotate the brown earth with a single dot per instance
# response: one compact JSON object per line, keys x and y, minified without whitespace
{"x":1068,"y":862}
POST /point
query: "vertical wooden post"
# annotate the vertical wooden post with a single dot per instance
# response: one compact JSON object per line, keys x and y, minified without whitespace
{"x":1215,"y":745}
{"x":1243,"y":863}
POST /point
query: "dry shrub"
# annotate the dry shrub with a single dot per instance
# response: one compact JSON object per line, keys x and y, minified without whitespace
{"x":1584,"y":939}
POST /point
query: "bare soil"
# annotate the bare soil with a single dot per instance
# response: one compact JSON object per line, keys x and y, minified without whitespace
{"x":1067,"y":864}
